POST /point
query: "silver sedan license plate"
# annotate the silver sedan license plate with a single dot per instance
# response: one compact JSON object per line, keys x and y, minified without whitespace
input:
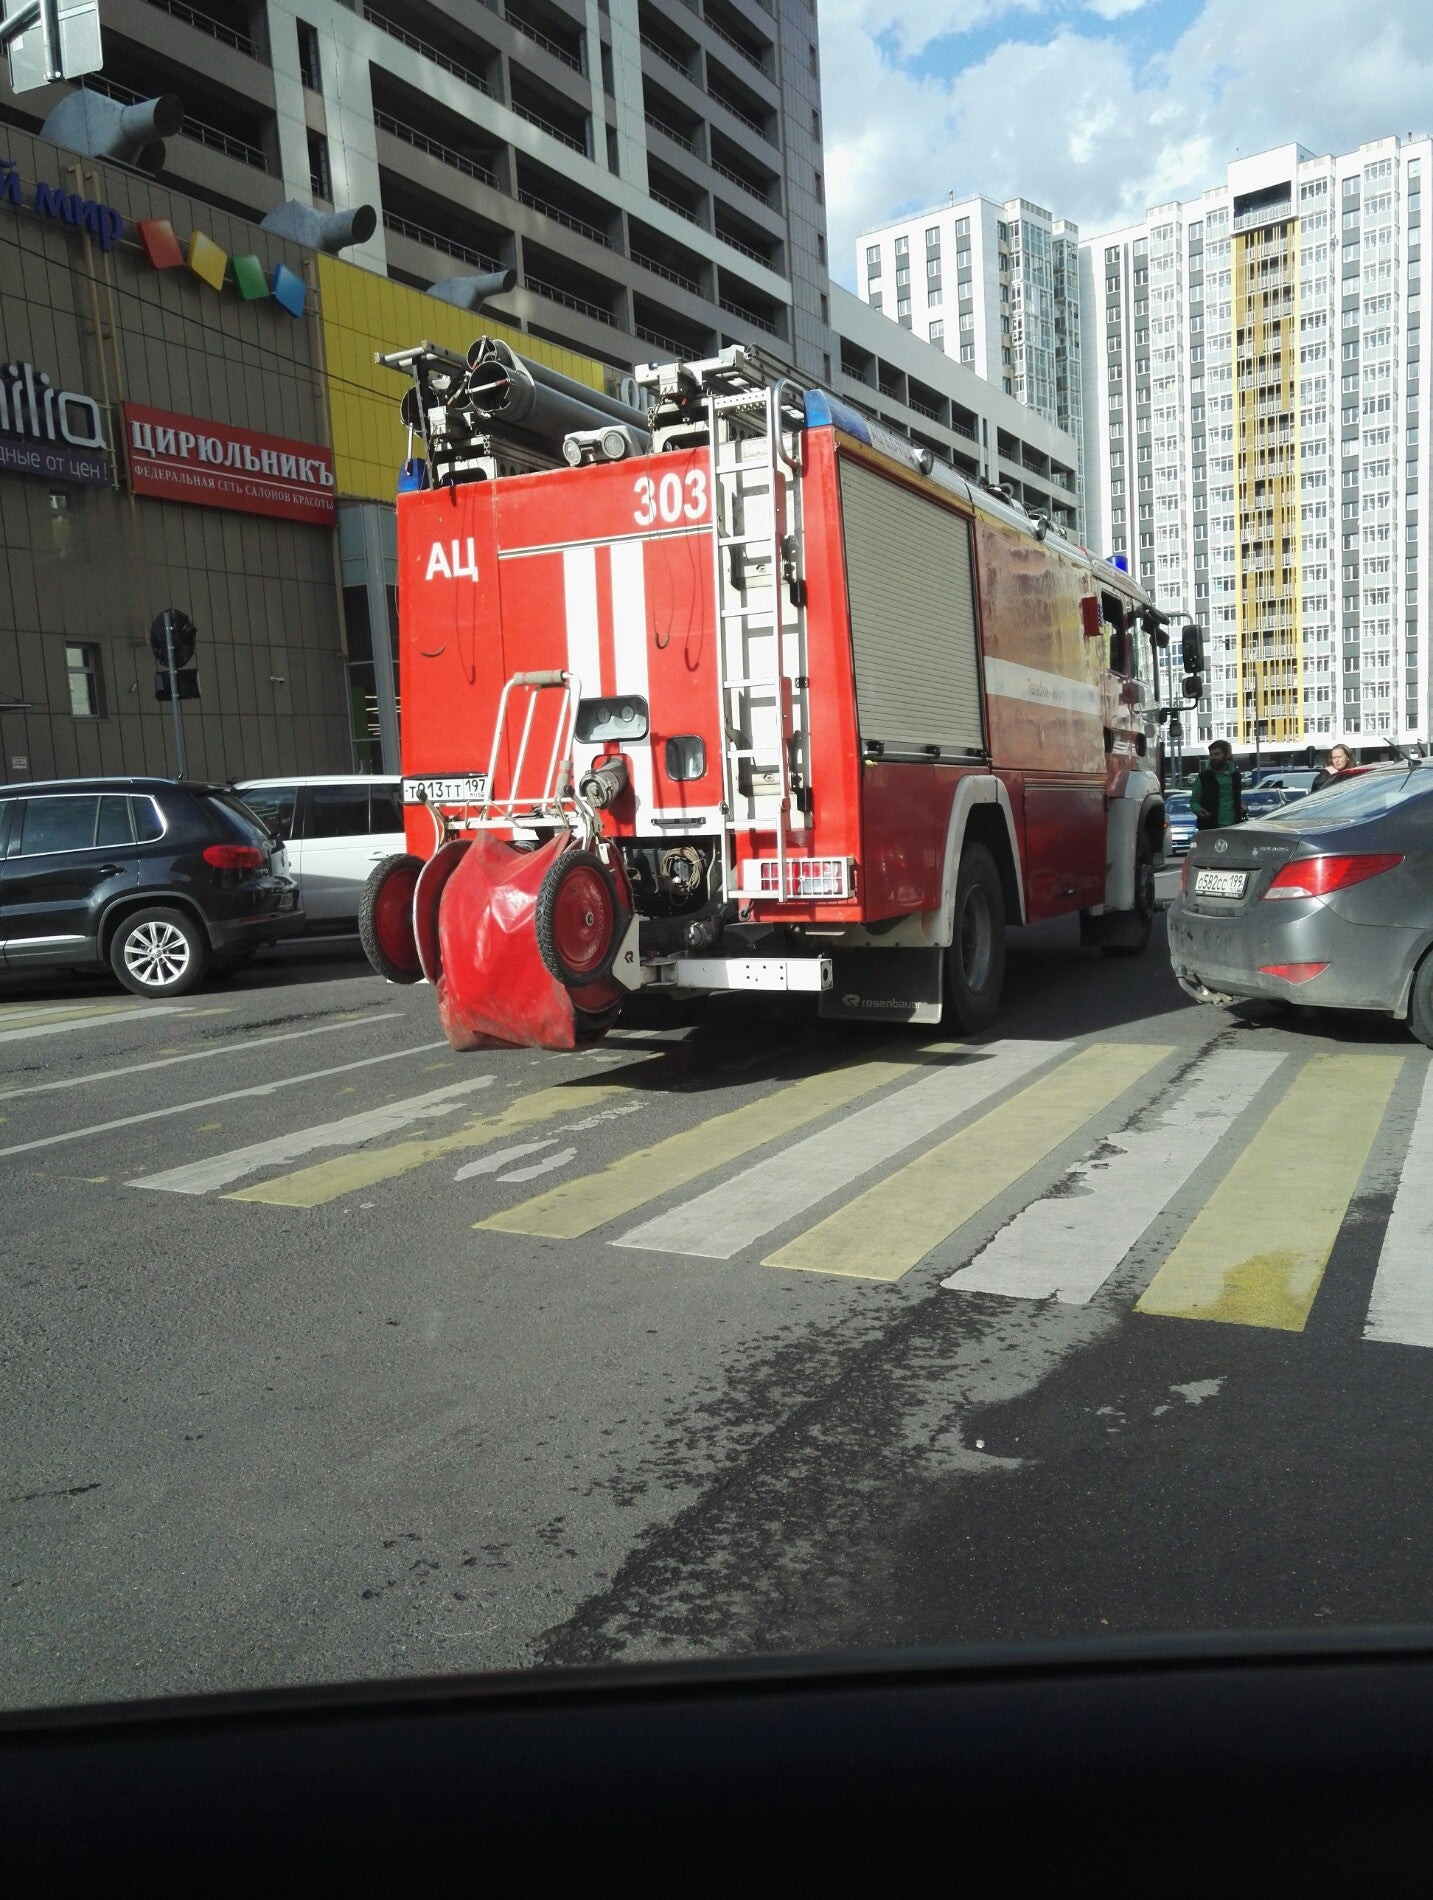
{"x":461,"y":789}
{"x":1220,"y":883}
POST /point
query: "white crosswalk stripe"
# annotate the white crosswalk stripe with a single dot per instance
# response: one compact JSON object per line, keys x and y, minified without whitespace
{"x":218,"y":1171}
{"x":1067,"y":1244}
{"x":1400,"y":1310}
{"x":741,"y":1210}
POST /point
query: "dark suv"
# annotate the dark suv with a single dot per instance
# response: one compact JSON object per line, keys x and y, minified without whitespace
{"x":161,"y":880}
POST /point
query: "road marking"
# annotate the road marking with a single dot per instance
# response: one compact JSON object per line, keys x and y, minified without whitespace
{"x":1066,"y":1245}
{"x":348,"y":1174}
{"x":166,"y":1061}
{"x":1255,"y":1253}
{"x":575,"y":1207}
{"x":202,"y":1177}
{"x":1400,"y":1311}
{"x":87,"y":1019}
{"x":728,"y":1218}
{"x":891,"y":1228}
{"x":494,"y":1164}
{"x":548,"y":1165}
{"x":212,"y":1101}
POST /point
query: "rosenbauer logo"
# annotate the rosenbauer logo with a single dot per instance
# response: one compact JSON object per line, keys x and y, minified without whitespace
{"x":215,"y":465}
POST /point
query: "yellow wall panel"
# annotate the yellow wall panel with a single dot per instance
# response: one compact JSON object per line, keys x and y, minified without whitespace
{"x":363,"y":314}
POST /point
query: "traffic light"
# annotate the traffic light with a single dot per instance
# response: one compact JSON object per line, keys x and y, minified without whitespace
{"x":173,"y":633}
{"x":187,"y":683}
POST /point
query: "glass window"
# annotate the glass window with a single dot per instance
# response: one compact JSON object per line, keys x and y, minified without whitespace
{"x":82,"y":672}
{"x":385,"y":809}
{"x":235,"y":817}
{"x":114,"y":821}
{"x":337,"y":811}
{"x":148,"y":825}
{"x":59,"y":824}
{"x":275,"y":805}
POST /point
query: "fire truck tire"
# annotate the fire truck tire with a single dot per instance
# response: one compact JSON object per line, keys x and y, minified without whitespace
{"x":580,"y":919}
{"x":385,"y":918}
{"x":975,"y":961}
{"x":1145,"y":905}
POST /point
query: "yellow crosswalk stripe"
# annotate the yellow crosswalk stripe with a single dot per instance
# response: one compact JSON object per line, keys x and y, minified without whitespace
{"x":26,"y":1016}
{"x":891,"y":1228}
{"x":575,"y":1207}
{"x":346,"y":1174}
{"x":1255,"y":1254}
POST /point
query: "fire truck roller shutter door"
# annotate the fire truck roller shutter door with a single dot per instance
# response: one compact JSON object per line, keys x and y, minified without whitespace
{"x":913,"y":633}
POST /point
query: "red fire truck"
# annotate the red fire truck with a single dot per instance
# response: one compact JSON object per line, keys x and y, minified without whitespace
{"x":754,"y":697}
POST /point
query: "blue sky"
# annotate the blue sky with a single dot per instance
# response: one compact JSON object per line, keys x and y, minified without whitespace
{"x":1098,"y":108}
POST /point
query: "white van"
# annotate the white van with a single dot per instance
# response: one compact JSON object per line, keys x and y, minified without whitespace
{"x":336,"y":830}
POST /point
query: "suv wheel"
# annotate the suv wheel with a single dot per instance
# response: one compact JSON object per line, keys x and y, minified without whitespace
{"x":159,"y":953}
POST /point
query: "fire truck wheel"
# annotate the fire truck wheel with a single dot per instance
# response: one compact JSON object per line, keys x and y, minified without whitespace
{"x":1145,"y":905}
{"x":579,"y":919}
{"x":975,"y":961}
{"x":385,"y":918}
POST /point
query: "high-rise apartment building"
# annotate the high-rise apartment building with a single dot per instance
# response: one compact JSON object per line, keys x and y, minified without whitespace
{"x":997,"y":287}
{"x":1257,"y":436}
{"x":651,"y":170}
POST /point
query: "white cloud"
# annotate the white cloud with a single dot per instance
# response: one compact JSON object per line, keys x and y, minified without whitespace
{"x":1113,"y":9}
{"x":1076,"y":124}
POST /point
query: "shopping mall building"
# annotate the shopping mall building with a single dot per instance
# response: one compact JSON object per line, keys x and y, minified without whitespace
{"x":191,"y":417}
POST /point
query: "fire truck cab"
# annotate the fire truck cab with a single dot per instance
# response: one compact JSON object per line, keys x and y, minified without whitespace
{"x":758,"y":697}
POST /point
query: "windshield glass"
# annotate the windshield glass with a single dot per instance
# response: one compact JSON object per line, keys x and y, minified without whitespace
{"x":1350,"y":803}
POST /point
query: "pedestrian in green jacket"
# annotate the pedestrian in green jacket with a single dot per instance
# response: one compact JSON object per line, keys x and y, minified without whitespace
{"x":1218,"y":795}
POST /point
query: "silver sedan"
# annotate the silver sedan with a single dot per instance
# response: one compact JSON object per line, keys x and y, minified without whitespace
{"x":1329,"y":902}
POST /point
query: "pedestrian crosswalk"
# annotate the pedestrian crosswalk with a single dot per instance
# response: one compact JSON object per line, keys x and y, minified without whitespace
{"x":1218,"y":1181}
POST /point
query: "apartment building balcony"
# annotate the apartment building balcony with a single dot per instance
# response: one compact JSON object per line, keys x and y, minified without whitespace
{"x":445,"y":139}
{"x":668,"y":334}
{"x":541,"y":105}
{"x":554,"y":277}
{"x":552,"y":30}
{"x":751,"y":40}
{"x":684,"y":274}
{"x":465,"y":53}
{"x":563,"y":208}
{"x":759,"y":184}
{"x":762,"y":247}
{"x":678,"y":191}
{"x":429,"y":235}
{"x":669,"y":45}
{"x":751,"y":306}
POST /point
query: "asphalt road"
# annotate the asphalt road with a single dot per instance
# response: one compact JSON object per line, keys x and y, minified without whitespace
{"x":329,"y":1354}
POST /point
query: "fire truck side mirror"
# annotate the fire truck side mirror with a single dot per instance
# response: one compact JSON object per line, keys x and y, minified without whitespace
{"x":1176,"y":729}
{"x":1191,"y":648}
{"x":1192,"y":686}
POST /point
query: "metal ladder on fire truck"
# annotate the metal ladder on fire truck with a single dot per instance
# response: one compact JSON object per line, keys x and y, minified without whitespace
{"x":759,"y":605}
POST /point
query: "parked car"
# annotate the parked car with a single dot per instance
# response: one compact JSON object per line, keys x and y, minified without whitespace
{"x":1179,"y":825}
{"x":1291,"y":781}
{"x":1328,"y":901}
{"x":335,"y":831}
{"x":160,"y":879}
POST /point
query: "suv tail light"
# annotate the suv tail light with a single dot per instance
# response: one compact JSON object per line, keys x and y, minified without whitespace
{"x":1319,"y":877}
{"x":234,"y":857}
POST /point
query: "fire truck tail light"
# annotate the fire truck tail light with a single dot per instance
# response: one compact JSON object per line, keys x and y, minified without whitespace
{"x":805,"y":877}
{"x":1319,"y":877}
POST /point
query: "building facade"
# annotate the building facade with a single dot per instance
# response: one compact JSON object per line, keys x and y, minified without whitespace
{"x":945,"y":407}
{"x":1257,"y":437}
{"x":997,"y":288}
{"x":650,"y":170}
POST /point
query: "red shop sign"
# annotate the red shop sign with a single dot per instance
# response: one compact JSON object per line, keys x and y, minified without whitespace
{"x":183,"y":458}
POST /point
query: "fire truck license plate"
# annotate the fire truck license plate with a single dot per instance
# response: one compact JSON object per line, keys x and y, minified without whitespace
{"x":465,"y":789}
{"x":1220,"y":883}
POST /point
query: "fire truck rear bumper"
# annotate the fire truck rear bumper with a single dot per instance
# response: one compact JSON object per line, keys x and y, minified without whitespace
{"x":743,"y":973}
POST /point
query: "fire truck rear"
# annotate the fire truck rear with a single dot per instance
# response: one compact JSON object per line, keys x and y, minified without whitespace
{"x":748,"y":697}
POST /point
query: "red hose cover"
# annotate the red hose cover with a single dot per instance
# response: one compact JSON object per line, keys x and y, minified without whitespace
{"x":493,"y":988}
